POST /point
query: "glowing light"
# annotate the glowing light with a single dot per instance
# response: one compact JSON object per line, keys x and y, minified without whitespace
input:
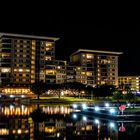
{"x":74,"y":116}
{"x":128,"y":104}
{"x":19,"y":131}
{"x":84,"y":106}
{"x":106,"y":104}
{"x":112,"y":110}
{"x":96,"y":121}
{"x":84,"y":118}
{"x":22,"y":96}
{"x":58,"y":67}
{"x":12,"y":96}
{"x":97,"y":108}
{"x":112,"y":125}
{"x":74,"y":106}
{"x":58,"y":134}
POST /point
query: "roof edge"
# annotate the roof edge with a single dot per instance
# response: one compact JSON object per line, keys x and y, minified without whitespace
{"x":29,"y":36}
{"x":96,"y":51}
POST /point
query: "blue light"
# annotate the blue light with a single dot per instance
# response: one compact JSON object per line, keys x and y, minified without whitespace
{"x":97,"y":121}
{"x":74,"y":116}
{"x":97,"y":108}
{"x":112,"y":125}
{"x":106,"y":104}
{"x":84,"y":118}
{"x":84,"y":106}
{"x":112,"y":111}
{"x":75,"y":106}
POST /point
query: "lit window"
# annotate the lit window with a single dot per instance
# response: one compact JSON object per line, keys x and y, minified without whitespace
{"x":89,"y":56}
{"x":48,"y":44}
{"x":89,"y":73}
{"x":48,"y":58}
{"x":20,"y":70}
{"x":5,"y":70}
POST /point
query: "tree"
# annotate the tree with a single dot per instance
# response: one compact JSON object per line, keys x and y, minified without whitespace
{"x":129,"y":96}
{"x":118,"y":95}
{"x":105,"y":90}
{"x":38,"y":88}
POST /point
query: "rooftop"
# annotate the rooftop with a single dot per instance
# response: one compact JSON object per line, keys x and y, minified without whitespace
{"x":28,"y":36}
{"x":97,"y":51}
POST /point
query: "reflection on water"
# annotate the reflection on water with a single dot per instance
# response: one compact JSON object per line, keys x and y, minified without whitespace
{"x":60,"y":123}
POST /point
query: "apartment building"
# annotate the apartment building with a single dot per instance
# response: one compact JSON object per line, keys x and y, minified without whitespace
{"x":132,"y":82}
{"x":94,"y":67}
{"x":24,"y":58}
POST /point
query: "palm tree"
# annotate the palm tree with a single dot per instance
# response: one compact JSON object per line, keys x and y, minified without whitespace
{"x":38,"y":88}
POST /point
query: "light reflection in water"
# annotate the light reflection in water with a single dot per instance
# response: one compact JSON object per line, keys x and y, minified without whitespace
{"x":15,"y":121}
{"x":57,"y":110}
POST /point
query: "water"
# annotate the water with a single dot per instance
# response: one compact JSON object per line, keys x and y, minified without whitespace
{"x":58,"y":122}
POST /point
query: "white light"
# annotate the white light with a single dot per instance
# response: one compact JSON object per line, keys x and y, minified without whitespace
{"x":128,"y":104}
{"x":97,"y":108}
{"x":84,"y":106}
{"x":84,"y":118}
{"x":106,"y":104}
{"x":22,"y":96}
{"x":62,"y":93}
{"x":112,"y":110}
{"x":74,"y":116}
{"x":11,"y":106}
{"x":58,"y":134}
{"x":96,"y":121}
{"x":112,"y":125}
{"x":12,"y":96}
{"x":74,"y":106}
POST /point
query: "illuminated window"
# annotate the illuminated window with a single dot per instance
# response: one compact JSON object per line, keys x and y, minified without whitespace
{"x":48,"y":58}
{"x":83,"y":73}
{"x":20,"y":70}
{"x":48,"y":44}
{"x":33,"y":42}
{"x":89,"y":73}
{"x":50,"y":72}
{"x":5,"y":70}
{"x":89,"y":56}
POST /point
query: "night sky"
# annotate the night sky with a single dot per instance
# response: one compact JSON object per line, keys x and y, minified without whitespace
{"x":76,"y":35}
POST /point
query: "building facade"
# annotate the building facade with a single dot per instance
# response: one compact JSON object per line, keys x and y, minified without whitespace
{"x":24,"y":58}
{"x":96,"y":67}
{"x":132,"y":82}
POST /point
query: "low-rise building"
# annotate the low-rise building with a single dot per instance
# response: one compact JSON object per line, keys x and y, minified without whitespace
{"x":132,"y":82}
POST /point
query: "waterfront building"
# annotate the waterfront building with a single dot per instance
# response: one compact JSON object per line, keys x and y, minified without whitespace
{"x":94,"y":67}
{"x":24,"y":58}
{"x":132,"y":82}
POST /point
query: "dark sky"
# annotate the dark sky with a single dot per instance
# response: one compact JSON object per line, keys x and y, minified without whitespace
{"x":76,"y":33}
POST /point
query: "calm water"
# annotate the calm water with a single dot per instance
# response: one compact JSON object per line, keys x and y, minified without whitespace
{"x":59,"y":122}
